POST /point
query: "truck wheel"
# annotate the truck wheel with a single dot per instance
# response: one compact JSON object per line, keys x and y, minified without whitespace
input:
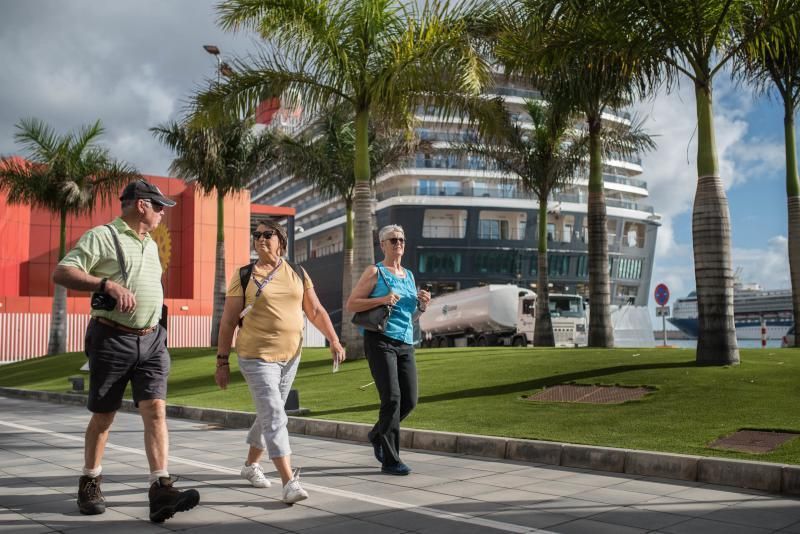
{"x":519,"y":342}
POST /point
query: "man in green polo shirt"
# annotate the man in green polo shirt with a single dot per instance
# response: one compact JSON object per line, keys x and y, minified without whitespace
{"x":125,"y":343}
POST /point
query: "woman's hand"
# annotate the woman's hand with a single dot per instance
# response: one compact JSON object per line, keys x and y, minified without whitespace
{"x":337,"y":352}
{"x":424,"y":297}
{"x":391,"y":299}
{"x":223,"y":376}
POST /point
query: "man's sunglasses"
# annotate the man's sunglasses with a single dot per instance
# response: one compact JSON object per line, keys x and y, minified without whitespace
{"x":158,"y":208}
{"x":266,"y":234}
{"x":395,"y":240}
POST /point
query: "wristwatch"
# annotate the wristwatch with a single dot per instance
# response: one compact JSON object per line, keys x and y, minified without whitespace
{"x":103,"y":285}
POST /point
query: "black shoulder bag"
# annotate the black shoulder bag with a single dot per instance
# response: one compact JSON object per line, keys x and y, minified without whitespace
{"x":374,"y":319}
{"x":246,"y":272}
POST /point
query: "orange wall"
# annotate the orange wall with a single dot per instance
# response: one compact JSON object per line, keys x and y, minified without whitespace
{"x":27,"y":261}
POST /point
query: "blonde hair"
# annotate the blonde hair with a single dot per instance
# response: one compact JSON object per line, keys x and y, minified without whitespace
{"x":388,"y":229}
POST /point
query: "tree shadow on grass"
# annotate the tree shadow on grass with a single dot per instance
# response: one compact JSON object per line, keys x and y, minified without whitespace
{"x":522,"y":386}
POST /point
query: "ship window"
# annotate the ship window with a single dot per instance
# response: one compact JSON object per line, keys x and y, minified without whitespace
{"x":551,"y":231}
{"x":583,"y":266}
{"x":612,"y":231}
{"x":427,"y":187}
{"x":445,"y":224}
{"x":439,"y":262}
{"x":629,"y":268}
{"x":633,"y":235}
{"x":450,"y":188}
{"x":496,"y":262}
{"x":502,"y":225}
{"x":558,"y":265}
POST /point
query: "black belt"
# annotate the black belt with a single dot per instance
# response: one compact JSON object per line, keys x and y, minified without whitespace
{"x":123,"y":328}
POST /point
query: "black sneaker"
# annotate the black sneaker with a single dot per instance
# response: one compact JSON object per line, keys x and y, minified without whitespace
{"x":399,"y":469}
{"x":90,"y":498}
{"x":166,"y":501}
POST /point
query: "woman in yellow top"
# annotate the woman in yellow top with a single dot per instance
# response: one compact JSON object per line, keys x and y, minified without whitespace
{"x":268,"y":344}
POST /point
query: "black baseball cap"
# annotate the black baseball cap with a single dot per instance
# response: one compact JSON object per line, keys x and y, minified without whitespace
{"x":145,"y":190}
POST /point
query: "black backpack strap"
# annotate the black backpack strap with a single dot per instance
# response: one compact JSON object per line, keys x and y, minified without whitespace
{"x":299,"y":271}
{"x":245,"y":272}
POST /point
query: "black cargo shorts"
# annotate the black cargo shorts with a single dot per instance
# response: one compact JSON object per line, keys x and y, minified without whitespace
{"x":117,"y":357}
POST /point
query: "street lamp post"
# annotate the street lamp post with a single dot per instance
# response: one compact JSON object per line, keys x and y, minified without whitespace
{"x":214,"y":51}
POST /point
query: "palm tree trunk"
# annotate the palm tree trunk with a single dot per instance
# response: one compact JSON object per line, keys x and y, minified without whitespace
{"x":57,"y":342}
{"x":601,"y":333}
{"x":353,"y":342}
{"x":363,"y":249}
{"x":711,"y":233}
{"x":543,"y":327}
{"x":793,"y":202}
{"x":219,"y":271}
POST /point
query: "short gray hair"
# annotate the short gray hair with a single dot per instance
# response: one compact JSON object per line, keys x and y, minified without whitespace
{"x":388,"y":229}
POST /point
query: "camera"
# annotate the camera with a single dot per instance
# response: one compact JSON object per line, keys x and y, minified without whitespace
{"x":427,"y":287}
{"x":103,"y":301}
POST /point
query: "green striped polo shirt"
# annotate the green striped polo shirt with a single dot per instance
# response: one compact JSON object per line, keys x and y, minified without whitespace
{"x":96,"y":254}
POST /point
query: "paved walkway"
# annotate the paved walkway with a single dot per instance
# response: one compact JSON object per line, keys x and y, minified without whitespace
{"x":41,"y":451}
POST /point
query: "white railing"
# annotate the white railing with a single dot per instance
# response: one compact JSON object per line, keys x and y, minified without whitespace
{"x":24,"y":335}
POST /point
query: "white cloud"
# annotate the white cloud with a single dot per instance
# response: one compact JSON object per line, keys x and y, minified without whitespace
{"x":671,"y":175}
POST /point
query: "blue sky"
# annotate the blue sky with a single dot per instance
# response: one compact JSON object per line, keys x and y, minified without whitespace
{"x":133,"y":64}
{"x":750,"y":146}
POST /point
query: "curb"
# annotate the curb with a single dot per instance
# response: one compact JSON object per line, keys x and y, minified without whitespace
{"x":764,"y":476}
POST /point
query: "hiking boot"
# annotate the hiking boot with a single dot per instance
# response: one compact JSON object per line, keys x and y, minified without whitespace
{"x":255,"y":475}
{"x":90,"y":498}
{"x":166,"y":501}
{"x":293,"y":492}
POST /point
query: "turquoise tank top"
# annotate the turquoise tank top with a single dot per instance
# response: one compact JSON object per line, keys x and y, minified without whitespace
{"x":400,"y":325}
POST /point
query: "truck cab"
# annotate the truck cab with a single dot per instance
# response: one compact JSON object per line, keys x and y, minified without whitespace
{"x":567,"y":313}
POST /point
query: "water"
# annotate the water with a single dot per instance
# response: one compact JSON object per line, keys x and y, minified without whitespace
{"x":743,"y":343}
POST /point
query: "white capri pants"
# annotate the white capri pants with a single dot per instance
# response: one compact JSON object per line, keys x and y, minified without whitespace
{"x":269,"y":384}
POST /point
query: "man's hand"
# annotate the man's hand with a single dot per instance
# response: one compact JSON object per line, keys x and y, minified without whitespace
{"x":126,"y":301}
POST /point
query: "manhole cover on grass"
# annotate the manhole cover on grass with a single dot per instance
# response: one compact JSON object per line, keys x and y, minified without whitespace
{"x":590,"y":394}
{"x":755,"y":441}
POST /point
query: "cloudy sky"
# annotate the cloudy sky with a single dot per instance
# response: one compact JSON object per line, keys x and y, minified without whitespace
{"x":133,"y":64}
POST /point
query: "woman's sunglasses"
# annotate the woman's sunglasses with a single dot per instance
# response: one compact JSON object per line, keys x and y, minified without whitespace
{"x":266,"y":234}
{"x":395,"y":240}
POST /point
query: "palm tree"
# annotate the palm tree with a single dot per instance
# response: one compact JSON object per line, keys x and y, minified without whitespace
{"x":64,"y":174}
{"x":776,"y":67}
{"x":697,"y":39}
{"x":543,"y":158}
{"x":222,"y":158}
{"x":564,"y":44}
{"x":379,"y":58}
{"x":323,"y":156}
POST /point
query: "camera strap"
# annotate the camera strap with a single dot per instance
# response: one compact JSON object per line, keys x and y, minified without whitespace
{"x":120,"y":257}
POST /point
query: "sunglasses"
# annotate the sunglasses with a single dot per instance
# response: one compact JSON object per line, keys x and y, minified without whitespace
{"x":395,"y":240}
{"x":158,"y":208}
{"x":266,"y":234}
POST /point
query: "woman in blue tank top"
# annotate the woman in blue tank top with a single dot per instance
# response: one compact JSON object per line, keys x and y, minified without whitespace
{"x":391,"y":354}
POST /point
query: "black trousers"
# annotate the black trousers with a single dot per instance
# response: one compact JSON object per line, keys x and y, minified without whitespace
{"x":395,"y":373}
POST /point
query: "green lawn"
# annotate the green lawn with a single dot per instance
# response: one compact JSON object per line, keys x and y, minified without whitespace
{"x":479,"y":391}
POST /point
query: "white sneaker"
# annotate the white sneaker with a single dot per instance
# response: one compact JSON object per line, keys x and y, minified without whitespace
{"x":293,"y":492}
{"x":255,"y":475}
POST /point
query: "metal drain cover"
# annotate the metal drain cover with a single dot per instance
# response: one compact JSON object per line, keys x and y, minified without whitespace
{"x":755,"y":441}
{"x":590,"y":394}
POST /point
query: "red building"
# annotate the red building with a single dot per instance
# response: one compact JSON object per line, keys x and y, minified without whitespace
{"x":187,"y":242}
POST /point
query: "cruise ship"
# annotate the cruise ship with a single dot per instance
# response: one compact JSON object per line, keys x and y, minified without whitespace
{"x":467,"y":224}
{"x":750,"y":304}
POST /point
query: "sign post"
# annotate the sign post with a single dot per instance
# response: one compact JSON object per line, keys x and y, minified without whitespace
{"x":661,"y":295}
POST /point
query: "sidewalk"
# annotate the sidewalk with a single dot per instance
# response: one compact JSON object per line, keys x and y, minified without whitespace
{"x":41,"y":454}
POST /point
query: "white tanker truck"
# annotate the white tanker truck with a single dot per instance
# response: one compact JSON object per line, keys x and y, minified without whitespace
{"x":499,"y":315}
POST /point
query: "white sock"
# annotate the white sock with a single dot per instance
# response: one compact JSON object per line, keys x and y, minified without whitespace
{"x":155,"y":475}
{"x":93,"y":473}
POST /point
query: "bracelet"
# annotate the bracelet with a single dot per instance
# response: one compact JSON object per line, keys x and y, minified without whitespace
{"x":226,"y":364}
{"x":223,"y":356}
